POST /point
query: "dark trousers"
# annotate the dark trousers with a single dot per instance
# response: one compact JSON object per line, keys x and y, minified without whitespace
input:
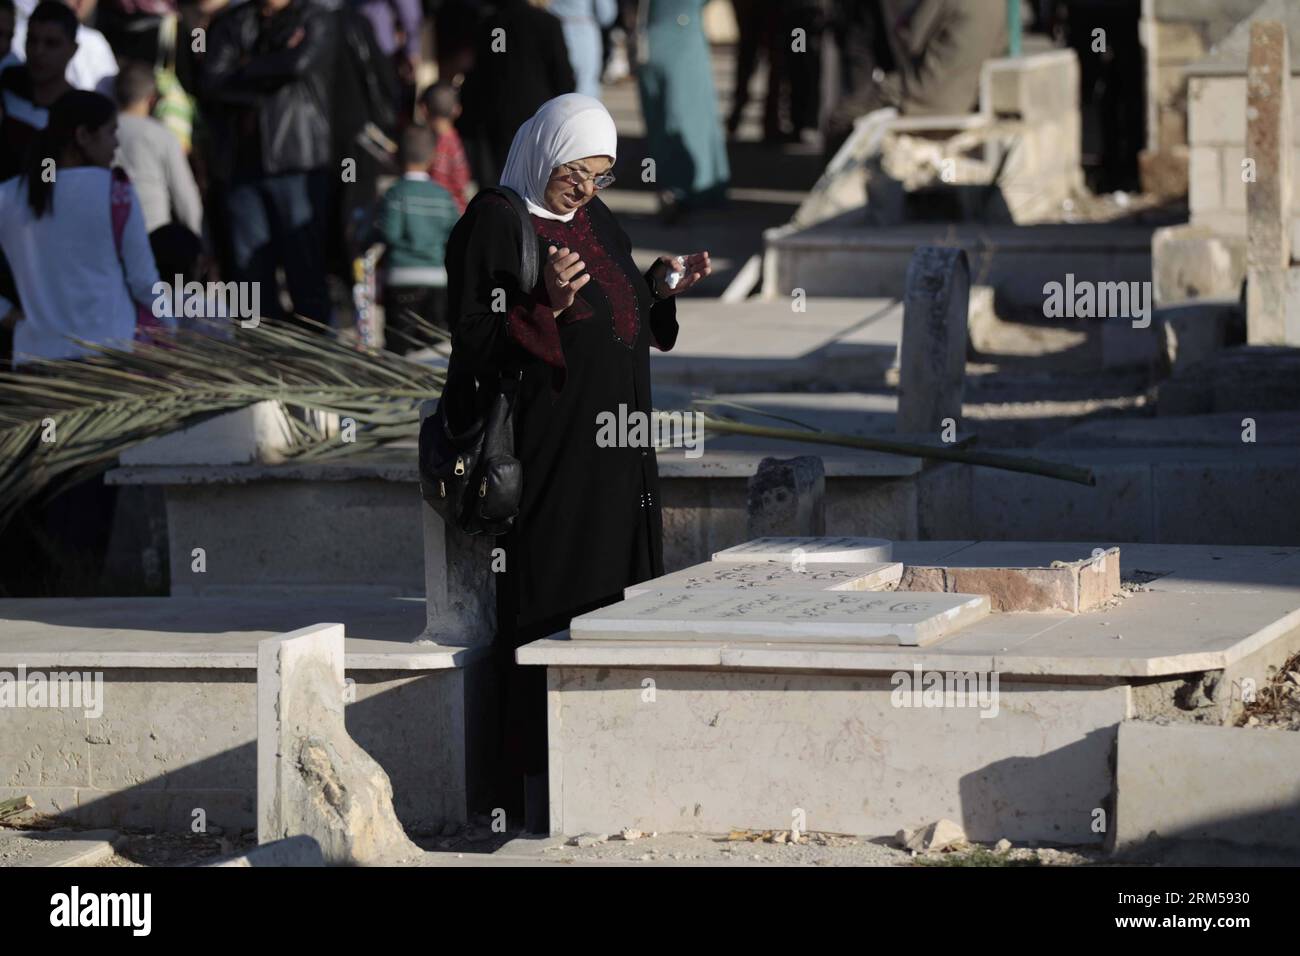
{"x":803,"y":69}
{"x":278,"y":221}
{"x":404,"y":308}
{"x":758,"y":23}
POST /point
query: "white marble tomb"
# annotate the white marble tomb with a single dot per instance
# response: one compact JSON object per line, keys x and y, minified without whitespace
{"x":909,"y":618}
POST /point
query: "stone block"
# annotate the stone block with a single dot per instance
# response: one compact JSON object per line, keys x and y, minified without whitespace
{"x":1071,"y":586}
{"x":1216,"y":110}
{"x":1268,"y":201}
{"x":932,"y":355}
{"x":258,"y":433}
{"x":835,"y":746}
{"x":459,"y":583}
{"x":1267,"y":304}
{"x":1206,"y":786}
{"x":1225,"y":223}
{"x":1172,"y":42}
{"x":312,"y":778}
{"x":43,"y":746}
{"x":787,"y":498}
{"x":796,"y":551}
{"x":1194,"y":262}
{"x":1233,"y":193}
{"x":1202,"y":500}
{"x":1026,"y":507}
{"x":284,"y":535}
{"x":1193,"y":331}
{"x":1036,"y":88}
{"x":1205,"y":179}
{"x":146,"y":740}
{"x":1217,"y":17}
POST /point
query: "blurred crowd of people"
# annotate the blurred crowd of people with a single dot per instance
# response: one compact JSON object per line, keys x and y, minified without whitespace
{"x":274,"y":141}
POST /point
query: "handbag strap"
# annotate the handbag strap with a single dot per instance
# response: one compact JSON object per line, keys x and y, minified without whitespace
{"x":529,"y":266}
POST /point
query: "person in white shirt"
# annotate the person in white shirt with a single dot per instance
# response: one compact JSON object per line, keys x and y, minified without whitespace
{"x":59,"y":237}
{"x":93,"y":66}
{"x":152,"y":155}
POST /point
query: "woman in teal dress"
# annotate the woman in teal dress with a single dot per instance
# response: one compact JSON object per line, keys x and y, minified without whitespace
{"x":683,"y":131}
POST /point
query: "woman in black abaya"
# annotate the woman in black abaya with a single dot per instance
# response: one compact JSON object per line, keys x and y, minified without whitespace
{"x":589,"y":522}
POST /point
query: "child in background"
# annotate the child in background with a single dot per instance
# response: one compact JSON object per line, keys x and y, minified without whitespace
{"x":414,"y":222}
{"x":449,"y":167}
{"x":178,"y":251}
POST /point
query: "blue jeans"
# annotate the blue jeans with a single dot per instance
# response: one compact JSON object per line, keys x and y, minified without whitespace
{"x":280,"y":221}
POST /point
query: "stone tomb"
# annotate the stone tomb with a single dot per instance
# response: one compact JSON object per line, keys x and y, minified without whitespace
{"x":797,"y":551}
{"x":706,"y":735}
{"x":827,"y":617}
{"x":770,"y":576}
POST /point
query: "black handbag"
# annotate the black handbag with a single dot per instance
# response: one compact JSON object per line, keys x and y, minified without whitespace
{"x":470,"y":475}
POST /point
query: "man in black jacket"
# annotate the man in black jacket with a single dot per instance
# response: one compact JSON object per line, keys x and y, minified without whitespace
{"x":266,"y":84}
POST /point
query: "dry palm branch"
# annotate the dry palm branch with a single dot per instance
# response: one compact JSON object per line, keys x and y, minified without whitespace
{"x":62,"y":421}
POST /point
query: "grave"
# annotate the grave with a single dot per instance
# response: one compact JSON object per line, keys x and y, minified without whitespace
{"x":713,"y":732}
{"x":1004,"y":179}
{"x":734,"y":575}
{"x":826,"y":617}
{"x":178,"y":731}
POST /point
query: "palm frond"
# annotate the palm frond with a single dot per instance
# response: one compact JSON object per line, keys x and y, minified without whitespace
{"x":62,"y":421}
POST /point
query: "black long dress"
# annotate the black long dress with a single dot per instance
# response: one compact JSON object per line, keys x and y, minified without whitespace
{"x":589,"y":523}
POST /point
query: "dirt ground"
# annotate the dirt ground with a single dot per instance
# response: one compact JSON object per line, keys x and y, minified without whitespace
{"x":144,"y":849}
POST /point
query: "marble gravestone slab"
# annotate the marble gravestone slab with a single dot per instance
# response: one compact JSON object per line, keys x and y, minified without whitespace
{"x":771,"y":576}
{"x":800,"y":551}
{"x":824,"y":617}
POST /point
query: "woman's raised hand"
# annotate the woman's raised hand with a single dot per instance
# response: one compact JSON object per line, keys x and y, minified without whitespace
{"x":561,"y":274}
{"x":696,"y":266}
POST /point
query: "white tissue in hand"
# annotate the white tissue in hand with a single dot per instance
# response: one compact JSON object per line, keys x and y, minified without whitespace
{"x":676,"y":274}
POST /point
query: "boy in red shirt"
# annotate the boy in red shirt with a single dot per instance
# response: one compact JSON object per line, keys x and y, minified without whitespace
{"x":449,"y":168}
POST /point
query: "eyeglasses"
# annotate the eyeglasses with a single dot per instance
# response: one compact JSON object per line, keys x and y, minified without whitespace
{"x":576,"y":178}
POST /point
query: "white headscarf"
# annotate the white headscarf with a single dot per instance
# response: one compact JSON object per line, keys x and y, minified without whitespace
{"x":566,"y":128}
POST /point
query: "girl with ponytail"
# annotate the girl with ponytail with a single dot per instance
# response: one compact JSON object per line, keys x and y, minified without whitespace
{"x":82,"y":131}
{"x":73,"y":232}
